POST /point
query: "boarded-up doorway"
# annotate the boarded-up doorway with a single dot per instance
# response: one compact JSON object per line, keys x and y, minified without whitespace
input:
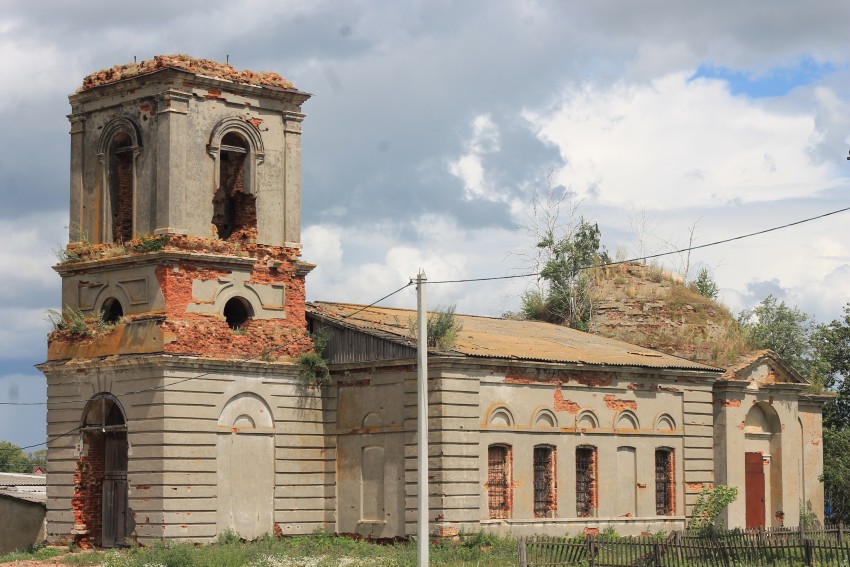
{"x":754,"y":489}
{"x":115,"y":490}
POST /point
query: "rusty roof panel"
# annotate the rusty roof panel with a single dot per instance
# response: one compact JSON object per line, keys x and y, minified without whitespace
{"x":505,"y":338}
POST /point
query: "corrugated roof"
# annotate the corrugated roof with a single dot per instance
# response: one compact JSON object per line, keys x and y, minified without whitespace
{"x":506,"y":338}
{"x":29,"y":487}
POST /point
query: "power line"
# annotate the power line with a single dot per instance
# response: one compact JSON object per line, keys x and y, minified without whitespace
{"x":651,"y":256}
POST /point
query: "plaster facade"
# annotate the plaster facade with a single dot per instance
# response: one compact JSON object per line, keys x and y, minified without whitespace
{"x":176,"y":409}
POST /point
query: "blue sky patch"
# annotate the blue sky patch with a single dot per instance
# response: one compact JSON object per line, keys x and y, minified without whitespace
{"x":775,"y":82}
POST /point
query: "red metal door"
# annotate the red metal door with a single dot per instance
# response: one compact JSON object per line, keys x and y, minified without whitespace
{"x":754,"y":487}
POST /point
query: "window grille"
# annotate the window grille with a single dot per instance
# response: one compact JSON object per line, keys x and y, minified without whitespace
{"x":585,"y":481}
{"x":664,"y":482}
{"x":544,"y":482}
{"x":498,"y":481}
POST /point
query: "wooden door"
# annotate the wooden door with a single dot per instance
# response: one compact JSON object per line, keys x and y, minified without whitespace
{"x":754,"y":488}
{"x":114,"y":496}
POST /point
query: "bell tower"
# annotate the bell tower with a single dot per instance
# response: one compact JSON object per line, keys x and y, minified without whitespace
{"x":174,"y":362}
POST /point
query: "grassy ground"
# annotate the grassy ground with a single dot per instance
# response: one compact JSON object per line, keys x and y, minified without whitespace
{"x":318,"y":550}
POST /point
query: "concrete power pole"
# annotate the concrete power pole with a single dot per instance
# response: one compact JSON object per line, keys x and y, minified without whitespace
{"x":422,"y":397}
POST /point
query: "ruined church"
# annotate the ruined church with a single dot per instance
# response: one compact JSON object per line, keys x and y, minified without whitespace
{"x":178,"y":407}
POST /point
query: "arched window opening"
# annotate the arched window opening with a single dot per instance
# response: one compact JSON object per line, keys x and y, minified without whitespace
{"x":237,"y":312}
{"x":120,"y":179}
{"x":234,"y":206}
{"x":586,"y":489}
{"x":499,"y":481}
{"x":545,"y":500}
{"x":665,"y":482}
{"x":111,"y":311}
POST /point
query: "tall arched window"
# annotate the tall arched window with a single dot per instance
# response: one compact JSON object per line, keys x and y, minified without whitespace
{"x":118,"y":147}
{"x":237,"y":148}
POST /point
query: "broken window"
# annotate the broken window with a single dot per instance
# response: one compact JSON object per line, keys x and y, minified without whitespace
{"x":120,"y":195}
{"x":499,"y":481}
{"x":544,"y":482}
{"x":237,"y":312}
{"x":234,"y":206}
{"x":585,"y":481}
{"x":665,"y":483}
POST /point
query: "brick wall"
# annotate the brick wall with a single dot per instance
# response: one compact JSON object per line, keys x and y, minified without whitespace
{"x":122,"y":227}
{"x":88,"y":491}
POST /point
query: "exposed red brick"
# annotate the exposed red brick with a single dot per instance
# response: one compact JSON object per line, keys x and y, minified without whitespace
{"x":213,"y":93}
{"x":205,"y":67}
{"x":256,"y":122}
{"x":515,"y":375}
{"x":618,"y":405}
{"x":86,"y":503}
{"x":591,"y":531}
{"x":728,"y":403}
{"x":562,"y":404}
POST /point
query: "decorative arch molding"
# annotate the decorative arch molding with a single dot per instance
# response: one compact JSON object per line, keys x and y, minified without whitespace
{"x":109,"y":176}
{"x":587,"y":420}
{"x":103,"y":410}
{"x":240,"y":126}
{"x":120,"y":125}
{"x":665,"y":422}
{"x":372,"y":420}
{"x":762,"y":418}
{"x":501,"y":417}
{"x":248,"y":412}
{"x":256,"y":149}
{"x":544,"y":418}
{"x":626,"y":420}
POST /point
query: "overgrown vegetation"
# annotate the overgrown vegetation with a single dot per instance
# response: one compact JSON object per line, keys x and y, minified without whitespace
{"x":76,"y":323}
{"x":314,"y":369}
{"x":82,"y":249}
{"x":317,"y":550}
{"x":705,"y":285}
{"x":712,"y":500}
{"x":443,"y":327}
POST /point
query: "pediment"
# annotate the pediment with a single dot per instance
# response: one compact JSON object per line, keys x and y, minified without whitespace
{"x":764,"y":367}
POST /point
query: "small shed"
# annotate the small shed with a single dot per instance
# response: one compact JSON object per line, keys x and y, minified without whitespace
{"x":23,"y":499}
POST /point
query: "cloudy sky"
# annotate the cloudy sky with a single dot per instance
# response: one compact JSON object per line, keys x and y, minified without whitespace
{"x":434,"y":122}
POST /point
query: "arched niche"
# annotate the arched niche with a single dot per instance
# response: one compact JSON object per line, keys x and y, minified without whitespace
{"x":665,"y":422}
{"x":545,"y":418}
{"x":501,"y":417}
{"x":117,"y":148}
{"x":626,"y":420}
{"x":587,"y":421}
{"x":245,"y":466}
{"x":762,"y":418}
{"x":372,"y":420}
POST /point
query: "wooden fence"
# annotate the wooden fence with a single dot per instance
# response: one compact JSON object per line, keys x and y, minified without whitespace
{"x":731,"y":548}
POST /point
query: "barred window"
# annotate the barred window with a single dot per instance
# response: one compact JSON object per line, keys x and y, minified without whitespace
{"x":499,"y":481}
{"x":665,"y":482}
{"x":545,"y":504}
{"x":586,"y":497}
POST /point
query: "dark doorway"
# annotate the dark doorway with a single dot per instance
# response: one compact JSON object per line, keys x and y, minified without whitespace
{"x":754,"y":488}
{"x":101,"y":476}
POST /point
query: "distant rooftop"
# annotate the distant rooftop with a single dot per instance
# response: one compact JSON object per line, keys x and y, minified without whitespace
{"x":505,"y":338}
{"x":205,"y":67}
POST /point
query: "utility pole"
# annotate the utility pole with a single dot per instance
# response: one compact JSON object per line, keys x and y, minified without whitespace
{"x":422,"y":538}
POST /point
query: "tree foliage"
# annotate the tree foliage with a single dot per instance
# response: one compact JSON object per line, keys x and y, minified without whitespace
{"x":13,"y":459}
{"x":705,"y":284}
{"x":565,"y":297}
{"x":836,"y":472}
{"x":712,"y":500}
{"x":791,"y":334}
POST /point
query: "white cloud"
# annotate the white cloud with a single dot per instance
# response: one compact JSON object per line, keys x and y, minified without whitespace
{"x":23,"y":425}
{"x":469,"y":167}
{"x":676,"y":143}
{"x":28,"y":253}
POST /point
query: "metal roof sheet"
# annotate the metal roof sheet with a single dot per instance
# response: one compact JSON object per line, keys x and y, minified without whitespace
{"x":506,"y":338}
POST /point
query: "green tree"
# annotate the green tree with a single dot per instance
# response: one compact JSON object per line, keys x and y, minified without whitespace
{"x":836,"y":472}
{"x":791,"y":334}
{"x":705,"y":284}
{"x":13,"y":459}
{"x":565,"y":296}
{"x":832,"y":342}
